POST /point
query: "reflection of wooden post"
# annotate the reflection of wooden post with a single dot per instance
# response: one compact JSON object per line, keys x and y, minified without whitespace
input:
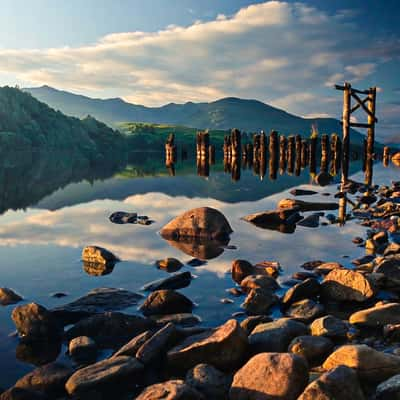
{"x":290,"y":155}
{"x":298,"y":155}
{"x":386,"y":156}
{"x":273,"y":154}
{"x":256,"y":153}
{"x":336,"y":154}
{"x":282,"y":154}
{"x":304,"y":153}
{"x":342,"y":210}
{"x":235,"y":143}
{"x":346,"y":132}
{"x":324,"y":153}
{"x":170,"y":150}
{"x":364,"y":156}
{"x":370,"y":135}
{"x":235,"y":169}
{"x":263,"y":155}
{"x":203,"y":144}
{"x":211,"y":154}
{"x":249,"y":154}
{"x":313,"y":155}
{"x":184,"y":154}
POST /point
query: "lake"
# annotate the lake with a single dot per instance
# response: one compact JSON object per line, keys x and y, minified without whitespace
{"x":53,"y":207}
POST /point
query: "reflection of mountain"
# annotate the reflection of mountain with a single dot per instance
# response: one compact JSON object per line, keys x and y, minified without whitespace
{"x":27,"y":177}
{"x":249,"y":115}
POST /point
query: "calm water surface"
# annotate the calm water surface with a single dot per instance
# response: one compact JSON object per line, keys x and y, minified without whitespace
{"x":40,"y":246}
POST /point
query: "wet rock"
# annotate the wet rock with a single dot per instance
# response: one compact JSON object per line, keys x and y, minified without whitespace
{"x":357,"y":240}
{"x":122,"y":217}
{"x":323,"y":179}
{"x":390,"y":268}
{"x":169,"y":264}
{"x":391,"y":332}
{"x":339,"y":383}
{"x":96,"y":254}
{"x":8,"y":296}
{"x":314,"y":348}
{"x":311,"y":265}
{"x":103,"y":374}
{"x":157,"y":344}
{"x":346,"y":285}
{"x":303,"y":275}
{"x":259,"y":301}
{"x":195,"y":262}
{"x":96,"y":301}
{"x":308,"y":289}
{"x":59,"y":295}
{"x":325,"y":268}
{"x":329,"y":326}
{"x":170,"y":390}
{"x":235,"y":291}
{"x":389,"y":389}
{"x":209,"y":381}
{"x":130,"y":348}
{"x":183,"y":319}
{"x":49,"y":379}
{"x":83,"y":349}
{"x":302,"y":192}
{"x":223,"y":347}
{"x":241,"y":269}
{"x":38,"y":353}
{"x":111,"y":329}
{"x":274,"y":218}
{"x":175,"y":281}
{"x":371,"y":365}
{"x":202,"y":222}
{"x":377,"y":316}
{"x":270,"y":268}
{"x":363,"y":260}
{"x":391,"y":249}
{"x":305,"y":310}
{"x":306,"y":206}
{"x":251,"y":322}
{"x":311,"y":221}
{"x":35,"y":322}
{"x":270,"y":376}
{"x":22,"y":394}
{"x":166,"y":302}
{"x":276,"y":335}
{"x":259,"y":282}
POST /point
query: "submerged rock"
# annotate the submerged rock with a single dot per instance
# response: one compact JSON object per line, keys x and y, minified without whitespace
{"x":175,"y":281}
{"x":166,"y":302}
{"x":204,"y":222}
{"x":8,"y":296}
{"x":278,"y":376}
{"x":223,"y":347}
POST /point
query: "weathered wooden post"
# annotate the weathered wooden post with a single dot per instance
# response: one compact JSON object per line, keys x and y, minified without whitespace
{"x":346,"y":132}
{"x":370,"y":135}
{"x":170,"y":150}
{"x":236,"y":143}
{"x":335,"y":154}
{"x":342,"y":212}
{"x":324,"y":153}
{"x":273,"y":154}
{"x":313,"y":154}
{"x":290,"y":155}
{"x":282,"y":154}
{"x":386,"y":156}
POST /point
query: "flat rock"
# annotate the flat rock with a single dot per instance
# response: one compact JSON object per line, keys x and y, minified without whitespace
{"x":8,"y":296}
{"x":329,"y":326}
{"x":259,"y":301}
{"x":103,"y":375}
{"x":166,"y":302}
{"x":270,"y":376}
{"x":96,"y":301}
{"x":111,"y":329}
{"x":307,"y":289}
{"x":371,"y":365}
{"x":223,"y":347}
{"x":170,"y":390}
{"x":49,"y":379}
{"x":96,"y":254}
{"x":346,"y":285}
{"x":209,"y":381}
{"x":175,"y":281}
{"x":314,"y":348}
{"x":276,"y":335}
{"x":339,"y":383}
{"x":377,"y":316}
{"x":306,"y":206}
{"x":204,"y":222}
{"x":35,"y":322}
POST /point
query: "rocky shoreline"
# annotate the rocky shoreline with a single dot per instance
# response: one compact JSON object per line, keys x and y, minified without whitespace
{"x":337,"y":335}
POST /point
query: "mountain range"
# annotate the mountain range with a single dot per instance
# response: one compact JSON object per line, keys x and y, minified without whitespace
{"x":223,"y":114}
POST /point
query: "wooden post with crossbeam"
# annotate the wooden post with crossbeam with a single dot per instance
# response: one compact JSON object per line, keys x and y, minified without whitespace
{"x":368,"y":105}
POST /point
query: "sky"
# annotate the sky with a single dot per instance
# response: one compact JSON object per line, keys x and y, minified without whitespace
{"x":287,"y":54}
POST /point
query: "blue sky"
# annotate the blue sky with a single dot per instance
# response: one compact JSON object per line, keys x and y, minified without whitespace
{"x":287,"y":54}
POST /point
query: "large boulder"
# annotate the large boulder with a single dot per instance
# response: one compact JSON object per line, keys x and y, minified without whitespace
{"x":162,"y":302}
{"x":275,"y":336}
{"x":110,"y":330}
{"x":346,"y":285}
{"x":203,"y":222}
{"x":35,"y":322}
{"x":209,"y":381}
{"x":339,"y":383}
{"x":377,"y":316}
{"x":104,"y":375}
{"x":223,"y":347}
{"x":371,"y":365}
{"x":170,"y":390}
{"x":270,"y":376}
{"x":49,"y":379}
